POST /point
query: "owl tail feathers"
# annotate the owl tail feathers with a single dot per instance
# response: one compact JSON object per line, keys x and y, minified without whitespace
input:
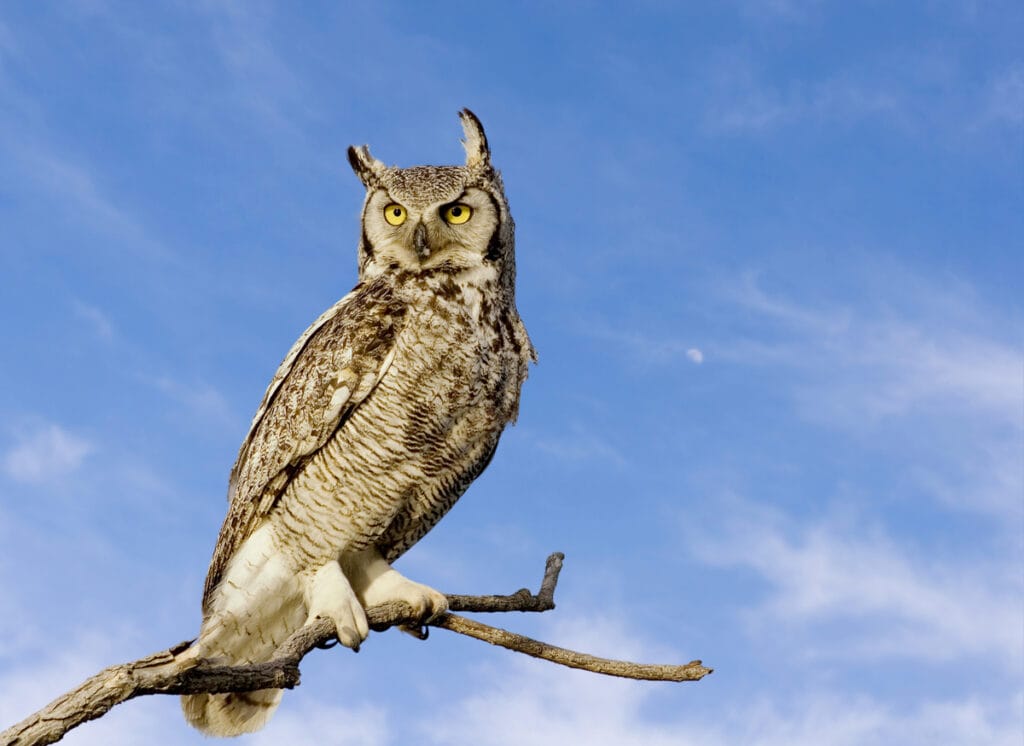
{"x":231,"y":714}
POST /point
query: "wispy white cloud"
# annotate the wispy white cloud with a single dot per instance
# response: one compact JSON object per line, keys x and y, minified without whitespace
{"x":826,"y":718}
{"x":923,"y":359}
{"x":201,"y":401}
{"x":534,"y":702}
{"x":8,"y":46}
{"x":45,"y":671}
{"x":743,"y":103}
{"x":887,"y":364}
{"x":1006,"y":97}
{"x":100,"y":323}
{"x":72,"y":184}
{"x":923,"y":92}
{"x":785,"y":10}
{"x":35,"y":163}
{"x":641,"y":347}
{"x":79,"y":193}
{"x":854,"y":366}
{"x":264,"y":83}
{"x":582,"y":444}
{"x":363,"y":724}
{"x":886,"y":602}
{"x":45,"y":453}
{"x":53,"y":669}
{"x":18,"y":628}
{"x":988,"y":479}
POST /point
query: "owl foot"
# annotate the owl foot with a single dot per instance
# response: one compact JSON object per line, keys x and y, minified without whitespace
{"x":376,"y":583}
{"x":330,"y":596}
{"x":391,"y":586}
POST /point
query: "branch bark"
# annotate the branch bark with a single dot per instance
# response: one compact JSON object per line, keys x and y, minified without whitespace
{"x":172,"y":671}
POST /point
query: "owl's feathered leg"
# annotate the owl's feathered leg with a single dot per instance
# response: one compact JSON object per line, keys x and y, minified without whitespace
{"x":252,"y":611}
{"x":376,"y":582}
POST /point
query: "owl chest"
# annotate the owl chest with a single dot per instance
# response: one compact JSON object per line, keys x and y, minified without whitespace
{"x":448,"y":370}
{"x":407,"y":452}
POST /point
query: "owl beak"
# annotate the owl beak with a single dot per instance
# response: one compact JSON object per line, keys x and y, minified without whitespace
{"x":420,"y":242}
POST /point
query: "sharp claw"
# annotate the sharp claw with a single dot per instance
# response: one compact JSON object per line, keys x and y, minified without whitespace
{"x":349,"y":638}
{"x":420,"y":632}
{"x":435,"y":615}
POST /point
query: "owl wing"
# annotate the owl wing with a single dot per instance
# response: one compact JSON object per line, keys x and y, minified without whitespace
{"x":328,"y":372}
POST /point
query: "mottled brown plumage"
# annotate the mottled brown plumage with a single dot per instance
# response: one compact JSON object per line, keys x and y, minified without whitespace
{"x":377,"y":421}
{"x":347,"y":349}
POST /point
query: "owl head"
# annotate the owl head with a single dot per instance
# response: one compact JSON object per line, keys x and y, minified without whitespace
{"x":429,"y":219}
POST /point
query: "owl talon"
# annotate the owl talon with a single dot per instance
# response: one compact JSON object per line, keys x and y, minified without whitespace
{"x":425,"y":604}
{"x":419,"y":632}
{"x":329,"y":596}
{"x":348,"y":637}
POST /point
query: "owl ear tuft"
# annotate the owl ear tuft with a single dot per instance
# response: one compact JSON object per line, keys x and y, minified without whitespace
{"x":478,"y":154}
{"x":367,"y":168}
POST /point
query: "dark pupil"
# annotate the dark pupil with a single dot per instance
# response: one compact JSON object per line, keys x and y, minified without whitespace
{"x":397,"y":212}
{"x":456,"y":212}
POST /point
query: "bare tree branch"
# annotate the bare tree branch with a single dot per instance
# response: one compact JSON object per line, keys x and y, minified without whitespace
{"x":692,"y":671}
{"x":521,"y":600}
{"x":175,"y":671}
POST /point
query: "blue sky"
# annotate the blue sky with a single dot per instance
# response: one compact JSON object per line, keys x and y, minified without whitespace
{"x":770,"y":255}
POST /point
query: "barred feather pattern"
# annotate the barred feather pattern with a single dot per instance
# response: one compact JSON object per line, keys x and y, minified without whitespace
{"x":378,"y":419}
{"x":412,"y":447}
{"x":395,"y":464}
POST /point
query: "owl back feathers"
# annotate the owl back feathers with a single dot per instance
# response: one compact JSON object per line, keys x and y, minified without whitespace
{"x":328,"y":372}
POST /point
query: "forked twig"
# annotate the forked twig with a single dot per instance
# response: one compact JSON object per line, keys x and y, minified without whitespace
{"x":173,"y":671}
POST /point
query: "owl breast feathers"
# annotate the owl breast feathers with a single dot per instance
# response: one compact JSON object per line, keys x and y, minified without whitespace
{"x":381,"y":415}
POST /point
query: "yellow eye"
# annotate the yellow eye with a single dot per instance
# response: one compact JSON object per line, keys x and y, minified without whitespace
{"x":457,"y":214}
{"x":395,"y":214}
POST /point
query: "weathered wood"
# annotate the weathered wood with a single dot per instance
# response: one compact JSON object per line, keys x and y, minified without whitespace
{"x":177,"y":670}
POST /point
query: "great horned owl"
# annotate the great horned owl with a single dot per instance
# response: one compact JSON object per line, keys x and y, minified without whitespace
{"x":379,"y":418}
